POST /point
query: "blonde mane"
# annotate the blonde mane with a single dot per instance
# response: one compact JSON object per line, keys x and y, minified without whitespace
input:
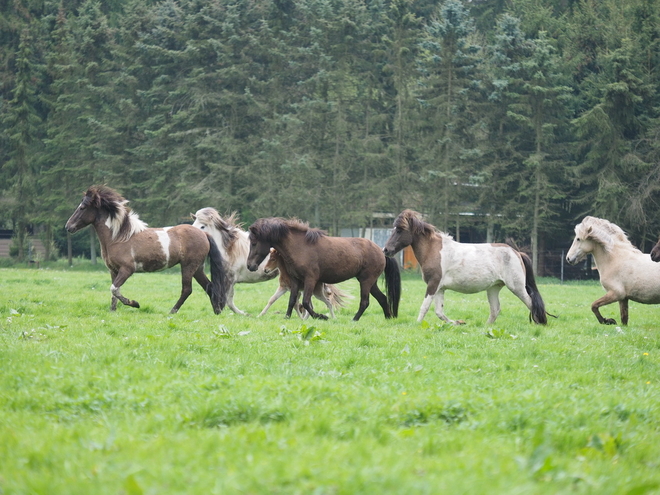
{"x":229,"y":229}
{"x":603,"y":232}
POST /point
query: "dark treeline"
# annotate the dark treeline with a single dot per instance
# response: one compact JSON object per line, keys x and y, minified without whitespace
{"x":514,"y":117}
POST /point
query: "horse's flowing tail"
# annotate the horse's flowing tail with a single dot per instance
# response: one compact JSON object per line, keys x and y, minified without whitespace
{"x":393,"y":285}
{"x":219,"y":279}
{"x":335,"y":295}
{"x":538,"y":306}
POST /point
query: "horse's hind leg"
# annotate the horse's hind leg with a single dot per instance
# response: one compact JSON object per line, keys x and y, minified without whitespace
{"x":493,"y":294}
{"x":309,"y":287}
{"x":119,"y":279}
{"x":186,"y":285}
{"x":381,"y":298}
{"x":202,"y":280}
{"x":623,"y":309}
{"x":113,"y":302}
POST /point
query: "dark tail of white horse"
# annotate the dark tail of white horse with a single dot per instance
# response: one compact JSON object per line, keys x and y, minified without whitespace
{"x":219,"y":280}
{"x":539,"y":314}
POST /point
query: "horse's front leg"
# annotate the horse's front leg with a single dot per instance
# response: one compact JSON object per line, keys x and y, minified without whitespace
{"x":307,"y":299}
{"x":608,"y":298}
{"x":120,"y":278}
{"x":278,"y":293}
{"x":440,"y":308}
{"x":230,"y":301}
{"x":293,"y":297}
{"x":431,"y":292}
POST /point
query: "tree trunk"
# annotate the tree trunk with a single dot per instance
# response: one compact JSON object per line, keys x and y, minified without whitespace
{"x":92,"y":246}
{"x":69,"y":248}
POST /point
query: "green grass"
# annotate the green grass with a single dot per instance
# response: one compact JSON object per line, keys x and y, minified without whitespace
{"x":143,"y":402}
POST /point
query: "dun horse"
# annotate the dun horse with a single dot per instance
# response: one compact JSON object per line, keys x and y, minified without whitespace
{"x":311,"y":256}
{"x":128,"y":246}
{"x":466,"y":268}
{"x":234,"y":245}
{"x":329,"y":294}
{"x":625,"y":272}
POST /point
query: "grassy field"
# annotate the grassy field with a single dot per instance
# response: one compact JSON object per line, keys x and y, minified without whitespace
{"x":143,"y":402}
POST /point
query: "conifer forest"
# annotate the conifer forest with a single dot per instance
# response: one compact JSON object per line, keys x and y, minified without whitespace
{"x":511,"y":118}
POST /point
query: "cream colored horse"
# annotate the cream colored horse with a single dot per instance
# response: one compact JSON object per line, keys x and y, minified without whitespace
{"x":234,"y":245}
{"x":625,"y":272}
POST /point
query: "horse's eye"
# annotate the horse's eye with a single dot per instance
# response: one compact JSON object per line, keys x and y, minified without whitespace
{"x":202,"y":227}
{"x":577,"y":239}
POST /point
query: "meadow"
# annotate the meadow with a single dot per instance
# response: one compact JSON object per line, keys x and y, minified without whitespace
{"x":143,"y":402}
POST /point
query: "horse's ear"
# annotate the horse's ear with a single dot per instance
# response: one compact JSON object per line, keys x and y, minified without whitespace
{"x":193,"y":216}
{"x":272,"y":250}
{"x":589,"y":231}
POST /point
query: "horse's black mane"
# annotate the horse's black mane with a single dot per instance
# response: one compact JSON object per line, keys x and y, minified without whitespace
{"x":275,"y":229}
{"x":410,"y":220}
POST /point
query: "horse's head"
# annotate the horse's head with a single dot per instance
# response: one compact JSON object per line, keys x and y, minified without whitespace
{"x":655,"y":252}
{"x":272,"y":263}
{"x":85,"y":213}
{"x":583,"y":244}
{"x":264,"y":234}
{"x":406,"y":226}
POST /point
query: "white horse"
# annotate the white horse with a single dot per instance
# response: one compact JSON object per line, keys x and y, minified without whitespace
{"x":466,"y":268}
{"x":234,"y":245}
{"x":625,"y":272}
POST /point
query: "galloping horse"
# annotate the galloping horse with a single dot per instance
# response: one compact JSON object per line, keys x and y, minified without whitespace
{"x":330,"y":294}
{"x":128,"y":246}
{"x":311,"y":256}
{"x":625,"y":272}
{"x":234,"y":245}
{"x":466,"y":268}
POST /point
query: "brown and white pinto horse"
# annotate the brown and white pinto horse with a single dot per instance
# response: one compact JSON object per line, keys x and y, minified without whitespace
{"x":311,"y":256}
{"x":625,"y":272}
{"x":128,"y":246}
{"x":330,"y":294}
{"x":466,"y":268}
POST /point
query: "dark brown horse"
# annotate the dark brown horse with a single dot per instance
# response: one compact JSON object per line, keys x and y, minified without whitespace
{"x":311,"y":256}
{"x":128,"y":246}
{"x":330,"y":294}
{"x":466,"y":268}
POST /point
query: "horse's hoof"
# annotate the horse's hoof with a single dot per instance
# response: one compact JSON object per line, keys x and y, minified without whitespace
{"x":321,"y":317}
{"x":458,"y":322}
{"x":609,"y":321}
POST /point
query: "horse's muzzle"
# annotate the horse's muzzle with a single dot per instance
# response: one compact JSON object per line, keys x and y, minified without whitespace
{"x":388,"y":252}
{"x":655,"y":254}
{"x":252,"y":267}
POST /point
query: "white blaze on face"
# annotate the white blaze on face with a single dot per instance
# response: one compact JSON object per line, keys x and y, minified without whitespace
{"x":164,"y":240}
